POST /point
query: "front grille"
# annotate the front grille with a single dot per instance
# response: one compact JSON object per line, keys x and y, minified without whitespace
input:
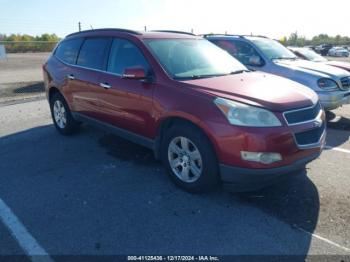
{"x":311,"y":136}
{"x":302,"y":115}
{"x":345,"y":83}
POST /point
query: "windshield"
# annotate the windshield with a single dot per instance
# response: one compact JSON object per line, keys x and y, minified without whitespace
{"x":272,"y":49}
{"x":193,"y":58}
{"x":311,"y":55}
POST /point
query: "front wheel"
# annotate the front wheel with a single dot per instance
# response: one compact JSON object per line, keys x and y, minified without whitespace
{"x":189,"y":159}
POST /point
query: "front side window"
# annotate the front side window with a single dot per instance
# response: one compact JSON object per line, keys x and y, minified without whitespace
{"x":272,"y":49}
{"x":125,"y":54}
{"x":193,"y":58}
{"x":68,"y":50}
{"x":242,"y":51}
{"x":93,"y":53}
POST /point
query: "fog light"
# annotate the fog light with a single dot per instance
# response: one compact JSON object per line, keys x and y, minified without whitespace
{"x":264,"y":158}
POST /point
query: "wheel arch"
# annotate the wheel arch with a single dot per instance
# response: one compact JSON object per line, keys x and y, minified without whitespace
{"x":169,"y":121}
{"x":53,"y":90}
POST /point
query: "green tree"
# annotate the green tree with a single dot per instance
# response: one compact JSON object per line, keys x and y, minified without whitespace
{"x":16,"y":43}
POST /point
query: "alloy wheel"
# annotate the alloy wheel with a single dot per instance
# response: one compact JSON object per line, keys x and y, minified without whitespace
{"x":185,"y":159}
{"x":60,"y":114}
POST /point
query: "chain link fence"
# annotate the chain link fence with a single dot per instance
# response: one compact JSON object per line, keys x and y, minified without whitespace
{"x":28,"y":46}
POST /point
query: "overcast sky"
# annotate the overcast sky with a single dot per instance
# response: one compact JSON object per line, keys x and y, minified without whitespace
{"x":273,"y":18}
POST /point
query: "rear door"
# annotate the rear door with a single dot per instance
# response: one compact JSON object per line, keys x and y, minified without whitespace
{"x":127,"y":103}
{"x":65,"y":70}
{"x":85,"y":87}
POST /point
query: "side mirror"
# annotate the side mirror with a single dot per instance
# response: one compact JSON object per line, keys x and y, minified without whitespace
{"x":136,"y":73}
{"x":256,"y":61}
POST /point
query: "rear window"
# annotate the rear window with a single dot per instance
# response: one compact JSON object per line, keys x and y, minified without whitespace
{"x":68,"y":50}
{"x":93,"y":53}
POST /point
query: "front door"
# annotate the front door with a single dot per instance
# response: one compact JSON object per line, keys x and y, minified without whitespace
{"x":127,"y":103}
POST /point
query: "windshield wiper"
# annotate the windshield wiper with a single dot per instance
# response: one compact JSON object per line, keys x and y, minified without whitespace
{"x":284,"y":58}
{"x":239,"y":72}
{"x":197,"y":76}
{"x":211,"y":75}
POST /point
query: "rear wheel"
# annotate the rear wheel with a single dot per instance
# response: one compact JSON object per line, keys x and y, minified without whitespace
{"x":189,"y":159}
{"x":62,"y":116}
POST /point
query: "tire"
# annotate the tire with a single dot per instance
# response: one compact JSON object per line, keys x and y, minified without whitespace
{"x":188,"y":170}
{"x":62,"y":116}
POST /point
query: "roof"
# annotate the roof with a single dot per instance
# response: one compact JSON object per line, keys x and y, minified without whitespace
{"x":139,"y":34}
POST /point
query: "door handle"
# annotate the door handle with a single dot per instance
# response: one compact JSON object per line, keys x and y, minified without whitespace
{"x":70,"y":77}
{"x":105,"y":85}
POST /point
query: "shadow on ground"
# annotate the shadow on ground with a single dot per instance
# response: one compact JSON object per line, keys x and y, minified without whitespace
{"x":337,"y":122}
{"x":30,"y":88}
{"x":294,"y":200}
{"x":125,"y":150}
{"x":338,"y":130}
{"x":19,"y":92}
{"x":77,"y":197}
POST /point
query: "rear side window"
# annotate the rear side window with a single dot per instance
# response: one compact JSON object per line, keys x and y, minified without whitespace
{"x":68,"y":50}
{"x":93,"y":53}
{"x":125,"y":54}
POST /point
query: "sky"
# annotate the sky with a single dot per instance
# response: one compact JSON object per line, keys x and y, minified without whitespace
{"x":272,"y":18}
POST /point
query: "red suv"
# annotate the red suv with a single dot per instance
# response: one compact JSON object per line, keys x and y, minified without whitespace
{"x":205,"y":115}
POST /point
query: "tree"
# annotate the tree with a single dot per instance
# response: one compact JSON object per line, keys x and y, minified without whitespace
{"x":295,"y":40}
{"x":16,"y":43}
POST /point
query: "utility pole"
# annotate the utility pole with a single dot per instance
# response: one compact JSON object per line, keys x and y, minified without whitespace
{"x":79,"y":26}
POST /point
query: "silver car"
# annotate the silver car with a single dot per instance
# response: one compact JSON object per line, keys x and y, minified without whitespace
{"x":338,"y":51}
{"x":263,"y":54}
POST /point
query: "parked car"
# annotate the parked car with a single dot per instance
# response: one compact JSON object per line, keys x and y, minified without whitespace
{"x":338,"y":51}
{"x":263,"y":54}
{"x":310,"y":47}
{"x":203,"y":113}
{"x":323,"y":49}
{"x":308,"y":54}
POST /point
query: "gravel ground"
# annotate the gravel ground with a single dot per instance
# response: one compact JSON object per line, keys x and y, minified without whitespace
{"x":21,"y":77}
{"x":22,"y":68}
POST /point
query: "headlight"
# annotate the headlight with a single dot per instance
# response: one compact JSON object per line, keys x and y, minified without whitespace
{"x":327,"y":84}
{"x":244,"y":115}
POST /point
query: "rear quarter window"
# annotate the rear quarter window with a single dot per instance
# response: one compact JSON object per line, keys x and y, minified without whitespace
{"x":68,"y":50}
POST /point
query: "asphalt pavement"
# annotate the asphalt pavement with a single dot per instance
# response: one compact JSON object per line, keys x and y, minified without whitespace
{"x":96,"y":194}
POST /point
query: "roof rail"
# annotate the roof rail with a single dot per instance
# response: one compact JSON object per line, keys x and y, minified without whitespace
{"x":172,"y":31}
{"x":263,"y":36}
{"x":241,"y":36}
{"x":206,"y":35}
{"x":106,"y":29}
